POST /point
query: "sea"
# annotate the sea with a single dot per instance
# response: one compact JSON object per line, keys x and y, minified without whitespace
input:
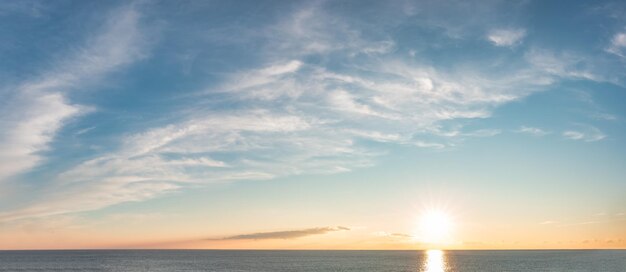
{"x":315,"y":260}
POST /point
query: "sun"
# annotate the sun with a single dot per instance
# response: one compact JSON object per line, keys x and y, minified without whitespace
{"x":435,"y":227}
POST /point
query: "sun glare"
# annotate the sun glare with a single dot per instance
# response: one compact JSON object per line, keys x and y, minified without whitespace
{"x":435,"y":227}
{"x":435,"y":261}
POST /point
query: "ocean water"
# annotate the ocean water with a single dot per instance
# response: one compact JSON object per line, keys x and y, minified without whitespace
{"x":276,"y":261}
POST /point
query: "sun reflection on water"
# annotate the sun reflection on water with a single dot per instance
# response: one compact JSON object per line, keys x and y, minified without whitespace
{"x":435,"y":261}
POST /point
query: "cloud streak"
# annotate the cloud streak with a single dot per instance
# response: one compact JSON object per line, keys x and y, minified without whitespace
{"x":33,"y":112}
{"x":321,"y":92}
{"x":534,"y":131}
{"x":29,"y":122}
{"x":506,"y":37}
{"x":286,"y":235}
{"x":618,"y":45}
{"x":584,"y":133}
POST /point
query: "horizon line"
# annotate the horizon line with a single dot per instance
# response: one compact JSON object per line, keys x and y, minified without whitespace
{"x":244,"y":249}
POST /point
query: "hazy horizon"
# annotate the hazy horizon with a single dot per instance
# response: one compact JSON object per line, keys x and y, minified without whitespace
{"x":350,"y":125}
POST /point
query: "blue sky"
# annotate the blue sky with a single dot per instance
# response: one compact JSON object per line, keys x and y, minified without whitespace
{"x":339,"y":109}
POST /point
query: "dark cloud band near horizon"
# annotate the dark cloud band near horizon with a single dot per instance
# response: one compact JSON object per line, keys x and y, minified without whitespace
{"x":289,"y":234}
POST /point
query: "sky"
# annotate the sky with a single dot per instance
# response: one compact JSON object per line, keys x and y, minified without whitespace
{"x":312,"y":124}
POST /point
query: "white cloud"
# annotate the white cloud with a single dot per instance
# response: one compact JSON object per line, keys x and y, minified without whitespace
{"x":532,"y":131}
{"x":84,"y":130}
{"x":619,"y":40}
{"x":28,"y":125}
{"x":263,"y":76}
{"x":298,"y":116}
{"x":483,"y":133}
{"x":584,"y":133}
{"x":429,"y":145}
{"x":260,"y":144}
{"x":35,"y":111}
{"x":506,"y":37}
{"x":344,"y":101}
{"x":377,"y":135}
{"x":311,"y":30}
{"x":562,"y":65}
{"x":198,"y":162}
{"x":603,"y":116}
{"x":452,"y":18}
{"x":314,"y":131}
{"x":91,"y":196}
{"x":574,"y":135}
{"x":618,"y":45}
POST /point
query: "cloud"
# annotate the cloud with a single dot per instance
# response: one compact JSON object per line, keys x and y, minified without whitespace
{"x":260,"y":145}
{"x":603,"y":116}
{"x":313,"y":30}
{"x":452,"y":19}
{"x":90,"y":196}
{"x":429,"y":145}
{"x":580,"y":223}
{"x":299,"y":117}
{"x":262,"y":76}
{"x":84,"y":130}
{"x":344,"y":101}
{"x":313,"y":127}
{"x":574,"y":135}
{"x":506,"y":37}
{"x":32,"y":113}
{"x":323,"y":89}
{"x":290,"y":234}
{"x":584,"y":133}
{"x":566,"y":65}
{"x":483,"y":133}
{"x":393,"y":235}
{"x":29,"y":123}
{"x":532,"y":131}
{"x":618,"y":45}
{"x":202,"y":161}
{"x":376,"y":135}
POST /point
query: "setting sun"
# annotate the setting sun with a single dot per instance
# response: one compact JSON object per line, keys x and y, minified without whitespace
{"x":435,"y":227}
{"x":313,"y":135}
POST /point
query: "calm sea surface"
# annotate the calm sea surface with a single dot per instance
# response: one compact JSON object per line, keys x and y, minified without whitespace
{"x":219,"y":260}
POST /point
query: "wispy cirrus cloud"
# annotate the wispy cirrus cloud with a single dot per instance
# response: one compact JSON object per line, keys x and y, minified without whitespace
{"x":393,"y":235}
{"x":585,"y":133}
{"x":618,"y":45}
{"x":452,"y":18}
{"x":261,"y":145}
{"x":30,"y":120}
{"x":289,"y":234}
{"x":506,"y":37}
{"x":306,"y":31}
{"x":321,"y":90}
{"x":566,"y":65}
{"x":32,"y":113}
{"x":534,"y":131}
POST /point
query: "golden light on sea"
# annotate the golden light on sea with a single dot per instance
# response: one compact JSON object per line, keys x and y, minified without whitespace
{"x":435,"y":261}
